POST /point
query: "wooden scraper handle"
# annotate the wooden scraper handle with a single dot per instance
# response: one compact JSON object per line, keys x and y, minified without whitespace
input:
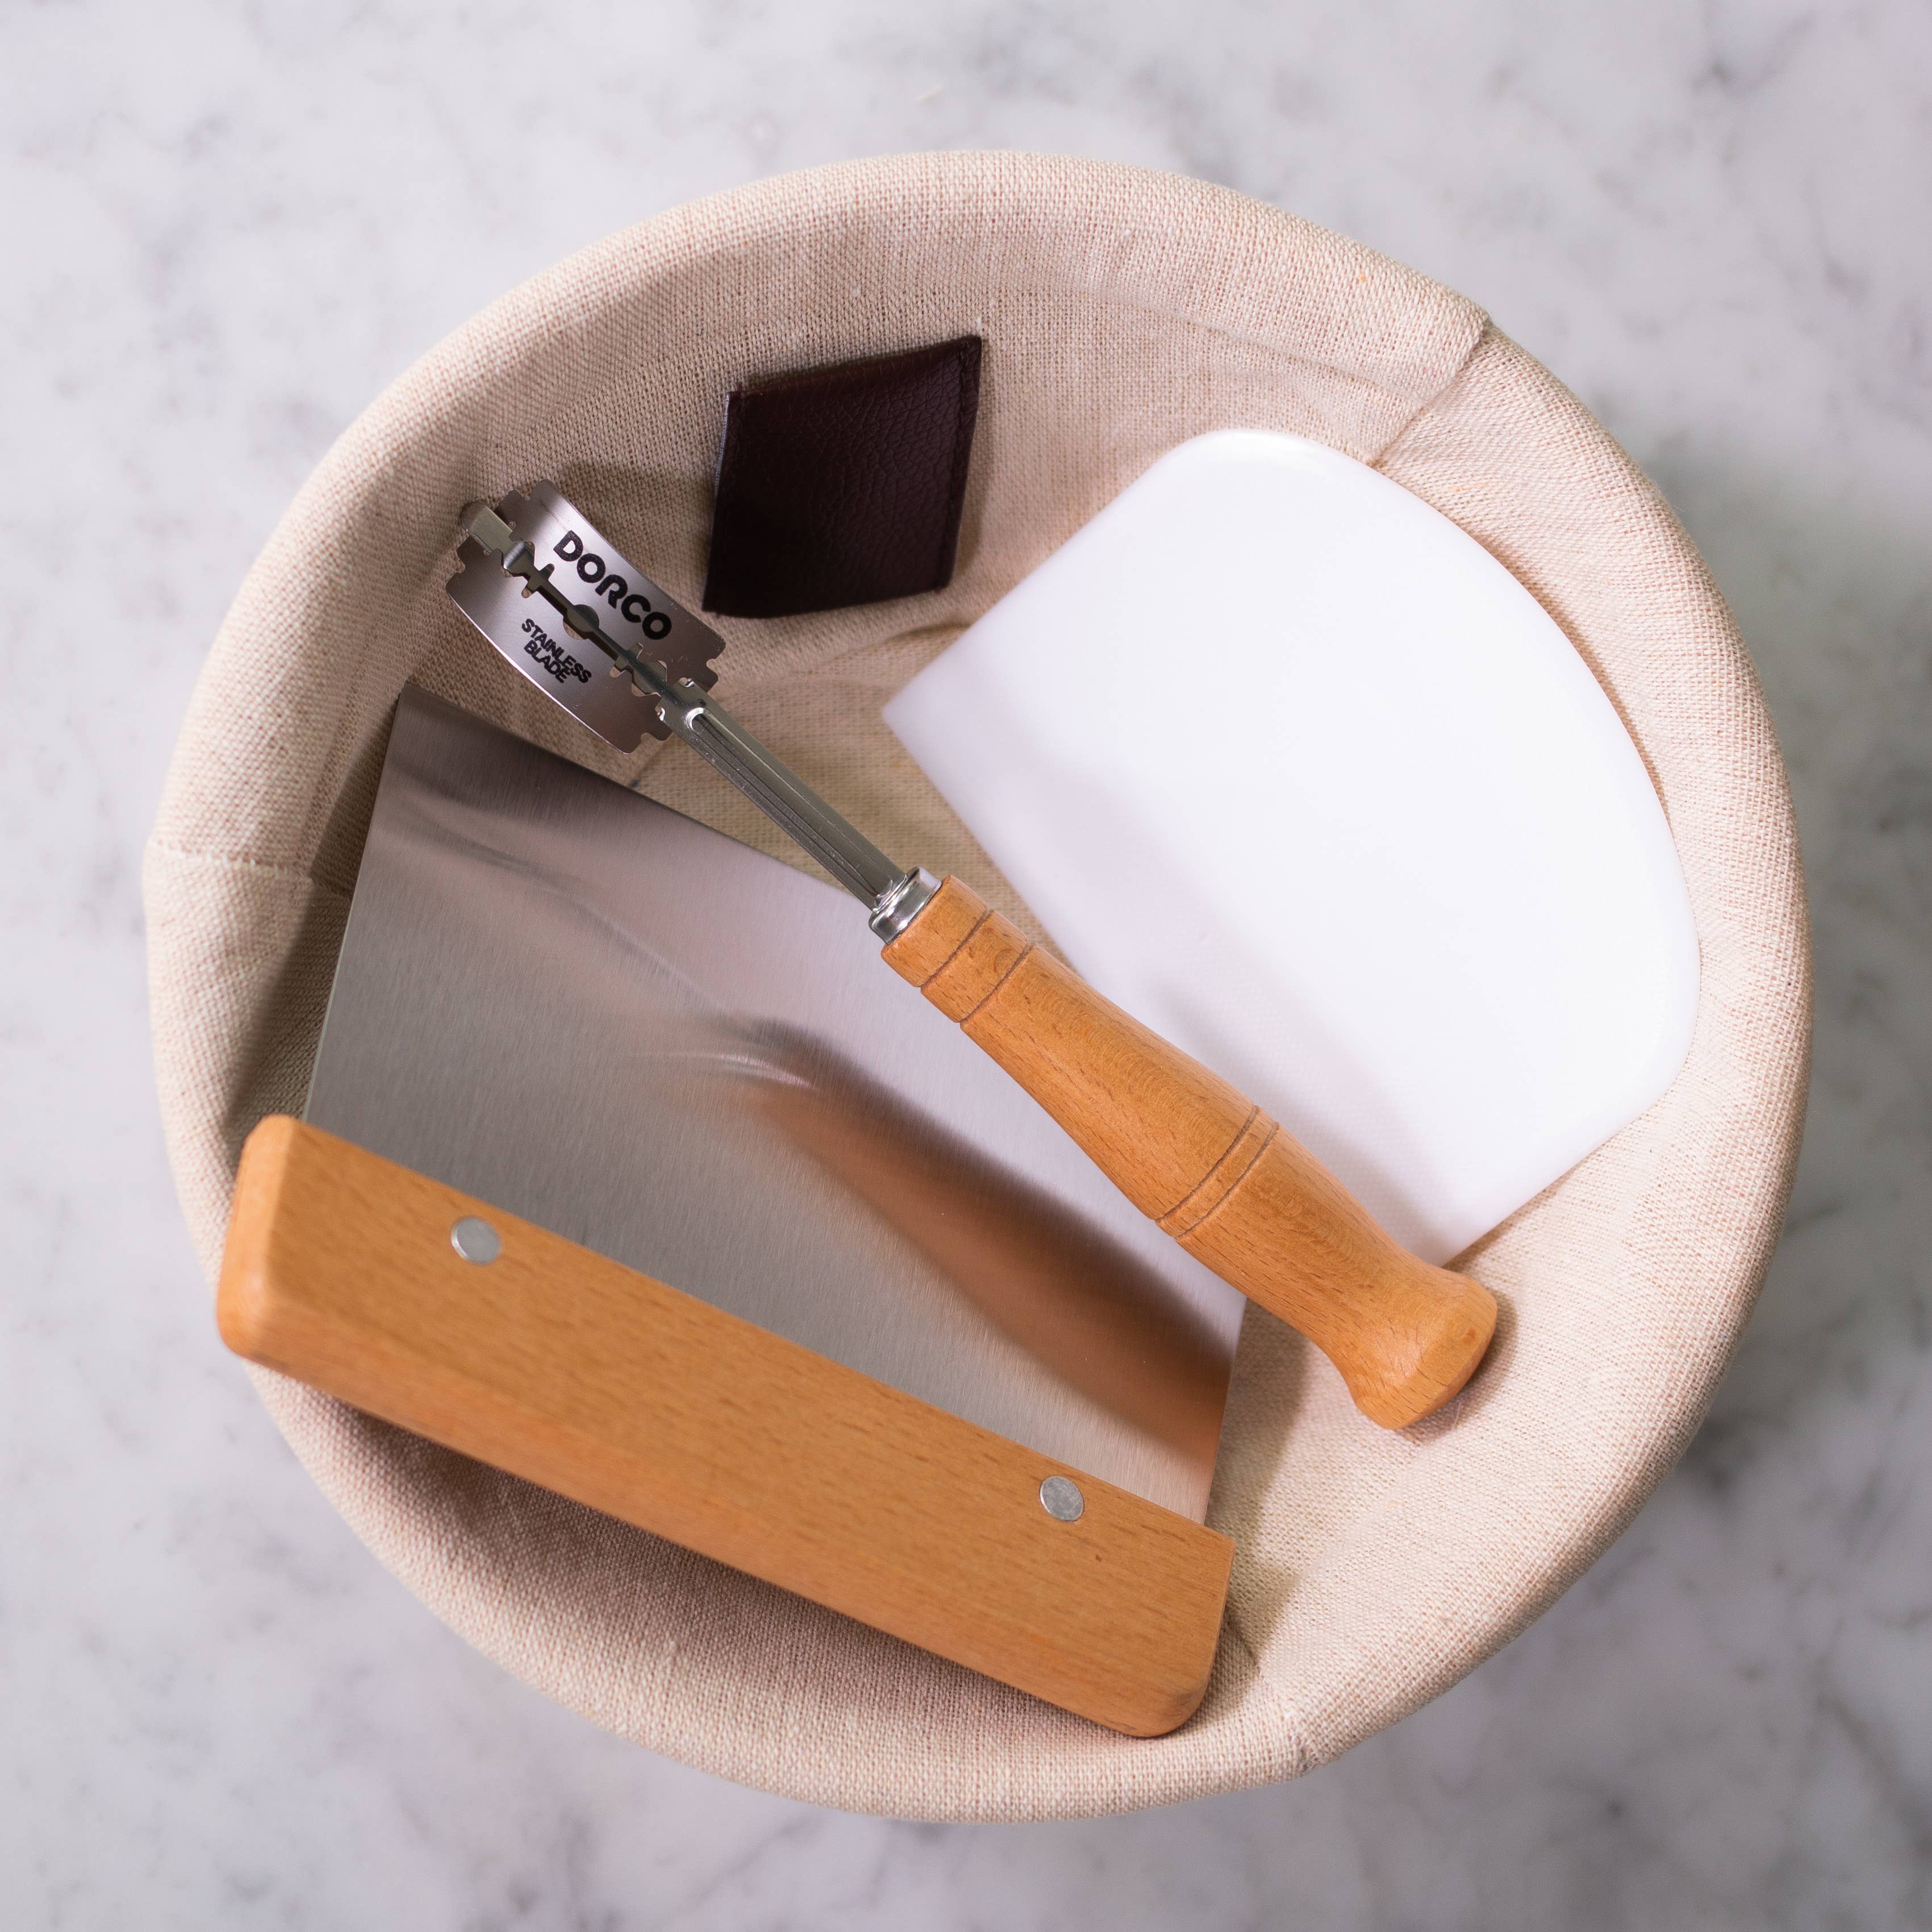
{"x":1202,"y":1160}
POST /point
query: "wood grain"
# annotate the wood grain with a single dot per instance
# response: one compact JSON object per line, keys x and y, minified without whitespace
{"x":1195,"y":1154}
{"x":606,"y":1386}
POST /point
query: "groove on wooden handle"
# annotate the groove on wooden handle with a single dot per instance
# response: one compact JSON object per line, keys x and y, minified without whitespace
{"x":1193,"y":1153}
{"x":581,"y":1375}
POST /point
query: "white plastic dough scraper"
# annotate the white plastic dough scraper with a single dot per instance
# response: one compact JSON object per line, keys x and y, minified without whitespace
{"x":1298,"y":774}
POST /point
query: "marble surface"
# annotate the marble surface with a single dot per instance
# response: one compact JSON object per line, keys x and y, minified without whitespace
{"x":225,"y":227}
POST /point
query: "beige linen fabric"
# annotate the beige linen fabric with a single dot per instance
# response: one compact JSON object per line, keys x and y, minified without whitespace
{"x":1123,"y":312}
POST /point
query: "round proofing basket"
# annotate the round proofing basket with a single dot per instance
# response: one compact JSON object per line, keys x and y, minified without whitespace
{"x":1123,"y":312}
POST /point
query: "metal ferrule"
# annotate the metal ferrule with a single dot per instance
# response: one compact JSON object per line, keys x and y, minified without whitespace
{"x":903,"y":904}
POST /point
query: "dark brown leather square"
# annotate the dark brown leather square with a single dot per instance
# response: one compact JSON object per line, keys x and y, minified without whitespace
{"x":843,"y":485}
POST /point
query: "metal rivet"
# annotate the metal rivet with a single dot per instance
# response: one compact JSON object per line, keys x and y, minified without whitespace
{"x":1060,"y":1497}
{"x":476,"y":1240}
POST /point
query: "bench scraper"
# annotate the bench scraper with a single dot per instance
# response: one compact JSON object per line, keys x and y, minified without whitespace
{"x":617,"y":1172}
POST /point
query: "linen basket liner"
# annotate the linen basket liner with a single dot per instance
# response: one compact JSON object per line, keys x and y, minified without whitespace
{"x":1123,"y":311}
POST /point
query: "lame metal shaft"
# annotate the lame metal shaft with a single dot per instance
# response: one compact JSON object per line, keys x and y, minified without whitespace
{"x":893,"y":893}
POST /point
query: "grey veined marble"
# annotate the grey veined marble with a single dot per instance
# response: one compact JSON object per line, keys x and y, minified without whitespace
{"x":225,"y":228}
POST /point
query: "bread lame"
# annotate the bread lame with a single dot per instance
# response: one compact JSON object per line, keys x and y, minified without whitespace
{"x":562,"y":605}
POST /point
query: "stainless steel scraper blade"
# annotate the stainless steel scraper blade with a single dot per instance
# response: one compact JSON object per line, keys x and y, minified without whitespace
{"x":595,"y":1013}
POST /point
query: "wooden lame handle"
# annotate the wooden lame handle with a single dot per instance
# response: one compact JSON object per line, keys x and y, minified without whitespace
{"x":540,"y":1357}
{"x":1195,"y":1155}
